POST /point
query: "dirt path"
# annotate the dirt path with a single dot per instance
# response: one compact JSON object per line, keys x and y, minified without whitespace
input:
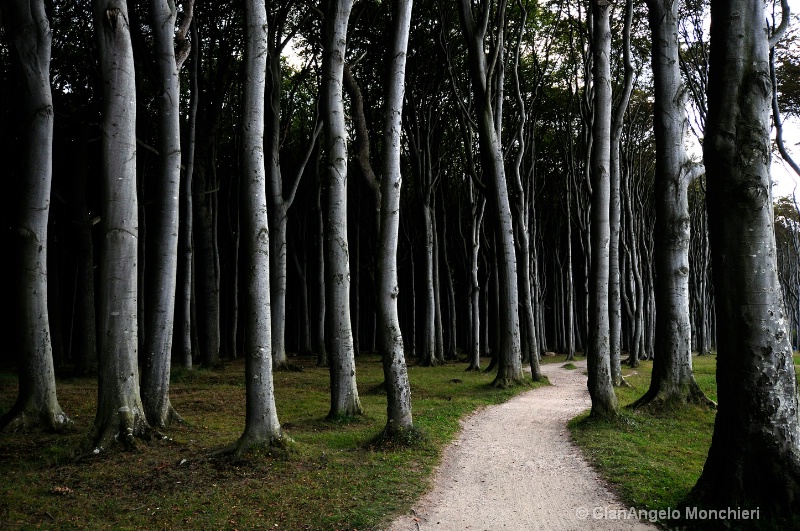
{"x":515,"y":467}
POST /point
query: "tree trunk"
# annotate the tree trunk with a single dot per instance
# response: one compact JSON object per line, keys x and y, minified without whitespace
{"x":754,"y":459}
{"x":601,"y":386}
{"x":29,"y":31}
{"x":510,"y":354}
{"x":183,"y":304}
{"x":319,"y":342}
{"x":206,"y":266}
{"x":120,"y":415}
{"x":344,"y":394}
{"x":398,"y":389}
{"x":615,"y":307}
{"x":261,"y":419}
{"x":672,"y":378}
{"x":161,"y":276}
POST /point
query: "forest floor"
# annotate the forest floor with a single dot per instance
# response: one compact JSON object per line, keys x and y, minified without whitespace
{"x":514,"y":466}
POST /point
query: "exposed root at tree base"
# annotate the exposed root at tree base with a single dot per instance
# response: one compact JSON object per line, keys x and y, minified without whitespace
{"x":269,"y":446}
{"x":124,"y":434}
{"x":20,"y":420}
{"x":507,"y":383}
{"x":662,"y":401}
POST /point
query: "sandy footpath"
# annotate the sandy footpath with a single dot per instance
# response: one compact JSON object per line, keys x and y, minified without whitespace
{"x":514,"y":467}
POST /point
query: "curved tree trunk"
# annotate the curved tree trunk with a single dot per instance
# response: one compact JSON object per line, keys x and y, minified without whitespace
{"x":120,"y":414}
{"x":37,"y":405}
{"x":344,"y":394}
{"x":510,"y":354}
{"x":754,"y":459}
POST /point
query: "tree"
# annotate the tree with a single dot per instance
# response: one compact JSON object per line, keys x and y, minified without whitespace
{"x":482,"y":72}
{"x":601,"y":388}
{"x":120,"y":414}
{"x":162,"y":273}
{"x":754,"y":459}
{"x":615,"y":207}
{"x":672,"y":378}
{"x":278,"y":37}
{"x":390,"y":338}
{"x":261,"y":417}
{"x":344,"y":393}
{"x":37,"y":405}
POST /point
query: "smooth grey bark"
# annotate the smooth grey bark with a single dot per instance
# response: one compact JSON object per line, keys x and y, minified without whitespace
{"x":183,"y":304}
{"x":754,"y":459}
{"x":390,"y":339}
{"x":520,"y":220}
{"x":601,"y":386}
{"x":510,"y":354}
{"x":672,"y":379}
{"x":161,"y":275}
{"x":615,"y":301}
{"x":437,"y":292}
{"x":261,"y":419}
{"x":30,"y":37}
{"x":120,"y":414}
{"x":344,"y":393}
{"x":318,"y":335}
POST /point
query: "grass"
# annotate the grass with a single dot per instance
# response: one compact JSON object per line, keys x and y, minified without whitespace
{"x":331,"y":478}
{"x":652,"y":459}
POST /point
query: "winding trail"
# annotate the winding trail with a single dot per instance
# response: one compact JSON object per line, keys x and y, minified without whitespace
{"x":514,"y":467}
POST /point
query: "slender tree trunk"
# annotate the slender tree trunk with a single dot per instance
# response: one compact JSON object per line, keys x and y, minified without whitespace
{"x":428,"y":353}
{"x":754,"y":459}
{"x":390,"y":339}
{"x":261,"y":419}
{"x":120,"y":414}
{"x":319,"y":342}
{"x":510,"y":349}
{"x":672,"y":378}
{"x":161,"y":276}
{"x":615,"y":308}
{"x":601,"y":386}
{"x":344,"y":394}
{"x":183,"y":303}
{"x":29,"y":31}
{"x":206,"y":267}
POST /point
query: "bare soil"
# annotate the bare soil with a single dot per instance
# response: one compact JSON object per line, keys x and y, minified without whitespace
{"x":514,"y":466}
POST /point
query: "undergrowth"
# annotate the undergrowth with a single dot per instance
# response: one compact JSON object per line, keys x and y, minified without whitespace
{"x":334,"y":475}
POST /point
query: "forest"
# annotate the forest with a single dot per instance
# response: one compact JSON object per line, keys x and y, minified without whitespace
{"x":475,"y":182}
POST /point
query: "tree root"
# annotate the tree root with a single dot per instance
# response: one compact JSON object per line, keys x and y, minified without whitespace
{"x":26,"y":419}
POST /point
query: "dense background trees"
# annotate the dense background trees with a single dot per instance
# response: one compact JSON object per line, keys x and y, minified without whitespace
{"x":533,"y":148}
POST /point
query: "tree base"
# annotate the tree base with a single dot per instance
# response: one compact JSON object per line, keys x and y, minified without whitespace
{"x":507,"y":382}
{"x":167,"y":419}
{"x":397,"y":437}
{"x":22,"y":419}
{"x":271,"y":446}
{"x":473,"y":367}
{"x":658,"y":398}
